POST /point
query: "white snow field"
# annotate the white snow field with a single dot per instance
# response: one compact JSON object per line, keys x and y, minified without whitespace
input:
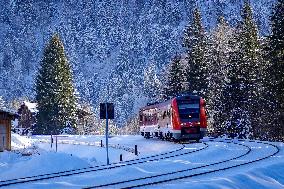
{"x":80,"y":163}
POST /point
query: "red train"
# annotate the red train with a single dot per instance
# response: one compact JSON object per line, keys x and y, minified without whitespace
{"x":178,"y":118}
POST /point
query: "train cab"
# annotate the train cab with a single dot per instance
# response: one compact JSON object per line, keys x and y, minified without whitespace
{"x":189,"y":117}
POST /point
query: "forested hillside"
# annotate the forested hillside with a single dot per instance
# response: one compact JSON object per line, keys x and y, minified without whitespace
{"x":118,"y":49}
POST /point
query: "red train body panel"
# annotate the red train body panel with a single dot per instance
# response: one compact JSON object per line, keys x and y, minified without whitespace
{"x":179,"y":118}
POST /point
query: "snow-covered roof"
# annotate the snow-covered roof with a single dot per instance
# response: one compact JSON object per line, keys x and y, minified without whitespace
{"x":9,"y":111}
{"x":31,"y":106}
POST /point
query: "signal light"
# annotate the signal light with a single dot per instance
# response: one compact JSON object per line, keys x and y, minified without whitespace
{"x":110,"y":110}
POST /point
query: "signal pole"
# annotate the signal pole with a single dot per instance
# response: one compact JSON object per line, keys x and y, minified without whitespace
{"x":107,"y":133}
{"x":106,"y":112}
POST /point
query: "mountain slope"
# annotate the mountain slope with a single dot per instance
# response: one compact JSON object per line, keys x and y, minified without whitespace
{"x":110,"y":44}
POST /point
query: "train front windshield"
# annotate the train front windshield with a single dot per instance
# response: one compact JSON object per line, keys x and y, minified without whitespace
{"x":188,"y":110}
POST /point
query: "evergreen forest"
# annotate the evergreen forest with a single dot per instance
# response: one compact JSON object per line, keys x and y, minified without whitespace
{"x":138,"y":52}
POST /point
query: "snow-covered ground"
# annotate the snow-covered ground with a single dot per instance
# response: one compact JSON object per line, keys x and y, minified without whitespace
{"x":174,"y":161}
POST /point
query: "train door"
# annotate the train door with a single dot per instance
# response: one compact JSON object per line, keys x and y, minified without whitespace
{"x":3,"y":139}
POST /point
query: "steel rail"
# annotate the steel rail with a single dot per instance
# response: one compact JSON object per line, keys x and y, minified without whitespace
{"x":174,"y":172}
{"x":98,"y":168}
{"x":207,"y":172}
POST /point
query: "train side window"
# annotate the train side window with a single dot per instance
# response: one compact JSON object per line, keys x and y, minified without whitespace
{"x":141,"y":117}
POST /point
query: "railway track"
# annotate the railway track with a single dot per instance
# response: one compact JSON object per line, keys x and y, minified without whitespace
{"x":80,"y":169}
{"x":188,"y":173}
{"x":156,"y":157}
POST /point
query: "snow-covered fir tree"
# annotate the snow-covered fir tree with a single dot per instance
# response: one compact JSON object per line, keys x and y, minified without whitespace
{"x":242,"y":89}
{"x":55,"y":92}
{"x":151,"y":82}
{"x":131,"y":127}
{"x":275,"y":72}
{"x":220,"y":49}
{"x":253,"y":66}
{"x":176,"y":78}
{"x":195,"y":43}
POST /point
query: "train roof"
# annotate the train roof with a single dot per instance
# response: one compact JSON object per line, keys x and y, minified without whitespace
{"x":163,"y":103}
{"x":188,"y":97}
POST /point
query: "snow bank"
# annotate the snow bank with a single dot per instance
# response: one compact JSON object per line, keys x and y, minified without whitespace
{"x":260,"y":175}
{"x":14,"y":165}
{"x":145,"y":146}
{"x":20,"y":142}
{"x":261,"y":178}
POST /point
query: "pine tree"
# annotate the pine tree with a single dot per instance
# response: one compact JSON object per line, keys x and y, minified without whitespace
{"x":231,"y":96}
{"x":55,"y":91}
{"x":175,"y":78}
{"x":220,"y":45}
{"x":243,"y":87}
{"x":151,"y":82}
{"x":195,"y":43}
{"x":252,"y":68}
{"x":276,"y":71}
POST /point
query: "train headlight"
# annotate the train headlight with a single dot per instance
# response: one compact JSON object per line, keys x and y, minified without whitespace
{"x":198,"y":123}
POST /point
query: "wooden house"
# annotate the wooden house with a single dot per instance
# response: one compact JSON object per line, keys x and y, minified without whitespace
{"x":27,"y":119}
{"x":6,"y":118}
